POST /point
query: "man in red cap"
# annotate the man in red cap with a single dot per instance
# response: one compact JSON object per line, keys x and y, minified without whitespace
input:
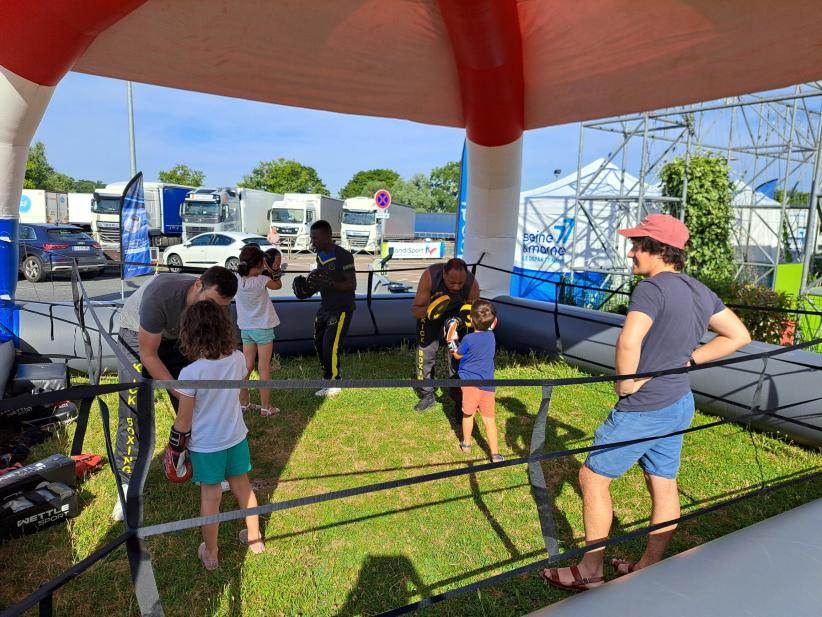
{"x":667,"y":316}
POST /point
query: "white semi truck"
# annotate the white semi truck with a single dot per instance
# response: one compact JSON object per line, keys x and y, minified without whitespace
{"x":226,"y":209}
{"x":162,"y":206}
{"x":293,"y":216}
{"x":39,"y":206}
{"x":362,"y":230}
{"x":79,"y":209}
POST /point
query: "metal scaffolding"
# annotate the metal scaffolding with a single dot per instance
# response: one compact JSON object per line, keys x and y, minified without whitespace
{"x":772,"y":139}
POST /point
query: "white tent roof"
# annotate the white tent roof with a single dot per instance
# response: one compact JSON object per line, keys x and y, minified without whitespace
{"x":744,"y":196}
{"x":607,"y":182}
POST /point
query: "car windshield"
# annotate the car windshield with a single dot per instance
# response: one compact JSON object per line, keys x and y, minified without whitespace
{"x":287,"y":215}
{"x":105,"y":205}
{"x":200,"y":208}
{"x":68,"y":234}
{"x":354,"y":217}
{"x":260,"y":241}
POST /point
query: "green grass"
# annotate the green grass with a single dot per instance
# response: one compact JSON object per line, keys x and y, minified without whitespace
{"x":371,"y":553}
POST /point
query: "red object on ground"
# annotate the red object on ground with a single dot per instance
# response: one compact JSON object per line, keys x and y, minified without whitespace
{"x":84,"y":464}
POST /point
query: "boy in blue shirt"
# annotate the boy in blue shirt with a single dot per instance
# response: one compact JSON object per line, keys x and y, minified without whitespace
{"x":476,"y":356}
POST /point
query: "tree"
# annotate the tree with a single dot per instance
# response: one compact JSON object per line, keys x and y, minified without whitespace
{"x":182,"y":174}
{"x":88,"y":186}
{"x":60,"y":183}
{"x":415,"y":192}
{"x":38,"y":170}
{"x":445,"y":186}
{"x":285,"y":176}
{"x":356,"y":186}
{"x":707,"y":214}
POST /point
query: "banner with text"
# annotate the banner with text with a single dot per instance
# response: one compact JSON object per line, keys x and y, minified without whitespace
{"x":415,"y":250}
{"x":135,"y":248}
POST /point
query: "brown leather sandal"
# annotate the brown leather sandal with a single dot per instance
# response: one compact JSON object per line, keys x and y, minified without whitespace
{"x":580,"y":583}
{"x":616,"y":563}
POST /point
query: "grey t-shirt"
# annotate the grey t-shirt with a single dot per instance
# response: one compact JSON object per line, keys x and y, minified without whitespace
{"x":680,"y":308}
{"x":165,"y":297}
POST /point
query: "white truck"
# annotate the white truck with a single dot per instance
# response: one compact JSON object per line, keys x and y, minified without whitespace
{"x":39,"y":206}
{"x":79,"y":209}
{"x":162,"y":206}
{"x":362,"y":230}
{"x":293,"y":216}
{"x":226,"y":209}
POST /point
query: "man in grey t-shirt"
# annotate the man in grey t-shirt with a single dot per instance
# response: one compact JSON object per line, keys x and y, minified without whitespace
{"x":149,"y":329}
{"x":667,"y":316}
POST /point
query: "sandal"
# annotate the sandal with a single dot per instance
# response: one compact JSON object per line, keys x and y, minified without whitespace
{"x":616,"y":563}
{"x":271,"y":411}
{"x":465,"y":447}
{"x":250,"y":407}
{"x":579,"y":583}
{"x":208,"y":564}
{"x":243,"y":537}
{"x":497,"y":458}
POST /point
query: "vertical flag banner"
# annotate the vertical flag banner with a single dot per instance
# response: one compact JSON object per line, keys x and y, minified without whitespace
{"x":134,"y":243}
{"x":462,"y":203}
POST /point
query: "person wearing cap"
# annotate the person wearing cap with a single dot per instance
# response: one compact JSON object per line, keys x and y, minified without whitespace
{"x":667,"y":316}
{"x":443,"y":289}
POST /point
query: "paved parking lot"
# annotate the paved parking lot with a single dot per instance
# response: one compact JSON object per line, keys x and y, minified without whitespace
{"x":57,"y":288}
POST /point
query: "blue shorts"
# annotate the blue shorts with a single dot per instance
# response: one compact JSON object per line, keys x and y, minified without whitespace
{"x":658,"y":457}
{"x":257,"y":336}
{"x":214,"y":467}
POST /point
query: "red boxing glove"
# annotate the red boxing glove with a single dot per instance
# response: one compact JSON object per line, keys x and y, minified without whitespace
{"x":176,"y":463}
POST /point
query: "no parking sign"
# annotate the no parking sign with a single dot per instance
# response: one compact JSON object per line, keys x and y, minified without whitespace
{"x":382,"y":199}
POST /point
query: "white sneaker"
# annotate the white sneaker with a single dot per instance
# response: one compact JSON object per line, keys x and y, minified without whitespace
{"x":117,"y":512}
{"x":328,"y":392}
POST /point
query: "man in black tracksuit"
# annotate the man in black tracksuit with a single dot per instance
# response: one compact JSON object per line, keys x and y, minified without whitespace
{"x":336,"y":279}
{"x":452,"y":279}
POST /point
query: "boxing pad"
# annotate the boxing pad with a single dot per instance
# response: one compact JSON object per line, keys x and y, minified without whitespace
{"x":438,"y":307}
{"x":302,"y":290}
{"x":271,"y":256}
{"x":465,"y":314}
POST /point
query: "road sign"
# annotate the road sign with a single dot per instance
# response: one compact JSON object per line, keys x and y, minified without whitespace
{"x":383,"y":199}
{"x":382,"y":214}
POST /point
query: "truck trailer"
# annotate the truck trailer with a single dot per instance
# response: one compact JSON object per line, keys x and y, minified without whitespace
{"x":255,"y":206}
{"x":293,"y":216}
{"x":162,"y":207}
{"x":79,"y":209}
{"x":363,"y":230}
{"x":39,"y":206}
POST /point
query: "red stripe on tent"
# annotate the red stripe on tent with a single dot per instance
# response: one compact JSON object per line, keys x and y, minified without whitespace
{"x":40,"y":41}
{"x":487,"y":45}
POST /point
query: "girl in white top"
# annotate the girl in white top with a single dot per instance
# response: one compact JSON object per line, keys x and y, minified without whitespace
{"x":257,"y":318}
{"x":213,"y":422}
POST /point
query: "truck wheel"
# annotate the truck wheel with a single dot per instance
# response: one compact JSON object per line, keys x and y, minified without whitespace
{"x":33,"y":269}
{"x":232,"y":263}
{"x":175,"y":264}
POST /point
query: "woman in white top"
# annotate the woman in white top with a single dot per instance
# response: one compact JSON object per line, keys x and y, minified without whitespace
{"x":257,"y":318}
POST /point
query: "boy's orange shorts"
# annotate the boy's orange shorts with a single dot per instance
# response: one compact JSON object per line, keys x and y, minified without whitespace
{"x":474,"y":399}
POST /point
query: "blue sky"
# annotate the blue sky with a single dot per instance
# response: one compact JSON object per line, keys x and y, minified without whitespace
{"x":86,"y":135}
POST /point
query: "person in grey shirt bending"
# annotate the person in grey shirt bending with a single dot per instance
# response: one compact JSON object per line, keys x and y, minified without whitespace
{"x":149,"y":329}
{"x":667,"y":316}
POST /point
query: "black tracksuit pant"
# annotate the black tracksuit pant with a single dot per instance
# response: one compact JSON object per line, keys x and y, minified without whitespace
{"x":430,"y":338}
{"x":128,"y":439}
{"x":330,"y":328}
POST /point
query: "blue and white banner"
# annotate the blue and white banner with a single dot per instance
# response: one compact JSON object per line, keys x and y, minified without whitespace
{"x":463,"y":203}
{"x":135,"y":248}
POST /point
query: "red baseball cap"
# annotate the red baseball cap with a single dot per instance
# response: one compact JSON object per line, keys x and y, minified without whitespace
{"x":662,"y":228}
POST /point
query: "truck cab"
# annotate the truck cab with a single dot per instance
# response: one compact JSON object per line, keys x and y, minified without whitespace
{"x":359,"y":229}
{"x":162,"y":203}
{"x":207,"y":210}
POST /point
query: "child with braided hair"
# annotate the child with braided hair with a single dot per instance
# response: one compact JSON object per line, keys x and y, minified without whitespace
{"x":210,"y":424}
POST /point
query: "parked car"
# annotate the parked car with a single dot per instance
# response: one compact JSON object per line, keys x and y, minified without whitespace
{"x":54,"y":248}
{"x":211,"y":249}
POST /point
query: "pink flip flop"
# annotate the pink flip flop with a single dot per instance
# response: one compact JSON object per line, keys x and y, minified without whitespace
{"x":208,"y":564}
{"x":243,"y":537}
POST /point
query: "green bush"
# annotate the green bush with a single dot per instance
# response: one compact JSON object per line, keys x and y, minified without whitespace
{"x":766,"y":326}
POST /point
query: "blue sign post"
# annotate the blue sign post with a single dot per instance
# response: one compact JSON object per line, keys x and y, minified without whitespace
{"x":463,"y":204}
{"x":135,"y":249}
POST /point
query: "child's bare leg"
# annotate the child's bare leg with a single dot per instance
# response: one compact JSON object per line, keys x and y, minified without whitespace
{"x":264,"y":369}
{"x":467,"y":427}
{"x":241,"y":488}
{"x":491,"y":433}
{"x":250,"y":354}
{"x":210,"y":495}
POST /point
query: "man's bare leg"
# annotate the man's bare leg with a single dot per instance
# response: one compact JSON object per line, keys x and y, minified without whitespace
{"x":664,"y":507}
{"x":597,"y":514}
